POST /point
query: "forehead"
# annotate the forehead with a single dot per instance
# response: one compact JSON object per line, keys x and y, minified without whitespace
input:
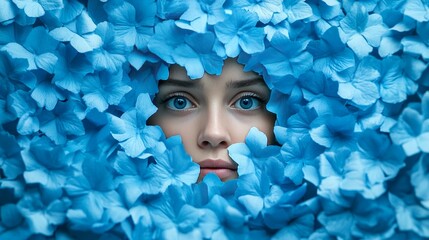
{"x":231,"y":71}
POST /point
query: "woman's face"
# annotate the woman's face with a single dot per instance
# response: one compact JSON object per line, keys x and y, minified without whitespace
{"x":212,"y":113}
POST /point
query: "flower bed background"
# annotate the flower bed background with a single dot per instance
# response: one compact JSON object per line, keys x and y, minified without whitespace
{"x":349,"y":84}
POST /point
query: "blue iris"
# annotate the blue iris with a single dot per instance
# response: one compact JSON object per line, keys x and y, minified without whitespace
{"x":179,"y":103}
{"x":247,"y":103}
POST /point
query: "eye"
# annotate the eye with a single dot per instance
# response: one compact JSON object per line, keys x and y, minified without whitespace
{"x":179,"y":103}
{"x":248,"y":103}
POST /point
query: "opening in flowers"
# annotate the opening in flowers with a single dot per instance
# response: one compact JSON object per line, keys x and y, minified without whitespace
{"x":212,"y":113}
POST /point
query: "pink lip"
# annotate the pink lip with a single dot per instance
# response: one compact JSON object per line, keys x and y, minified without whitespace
{"x":223,"y":169}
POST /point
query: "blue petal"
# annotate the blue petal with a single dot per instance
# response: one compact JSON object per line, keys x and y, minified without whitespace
{"x":417,"y":9}
{"x":8,"y":11}
{"x":297,"y":10}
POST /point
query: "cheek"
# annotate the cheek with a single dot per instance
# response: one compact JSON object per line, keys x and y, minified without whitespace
{"x":172,"y":126}
{"x":265,"y":124}
{"x":187,"y":132}
{"x":242,"y":126}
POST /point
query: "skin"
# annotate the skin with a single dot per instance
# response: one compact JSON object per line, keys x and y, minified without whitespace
{"x":212,"y":113}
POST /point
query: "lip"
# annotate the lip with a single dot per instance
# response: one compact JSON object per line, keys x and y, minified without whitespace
{"x":223,"y":169}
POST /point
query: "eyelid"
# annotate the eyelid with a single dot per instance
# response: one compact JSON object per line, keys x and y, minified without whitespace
{"x":250,"y":94}
{"x":186,"y":95}
{"x":168,"y":96}
{"x":237,"y":97}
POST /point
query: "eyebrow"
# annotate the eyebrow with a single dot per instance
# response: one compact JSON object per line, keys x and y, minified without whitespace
{"x":196,"y":84}
{"x":181,"y":83}
{"x":245,"y":83}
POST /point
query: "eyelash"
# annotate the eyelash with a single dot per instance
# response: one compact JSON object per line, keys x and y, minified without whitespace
{"x":169,"y":97}
{"x":166,"y":100}
{"x":252,"y":95}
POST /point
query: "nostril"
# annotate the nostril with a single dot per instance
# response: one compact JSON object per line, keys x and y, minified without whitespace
{"x":205,"y":143}
{"x":208,"y":143}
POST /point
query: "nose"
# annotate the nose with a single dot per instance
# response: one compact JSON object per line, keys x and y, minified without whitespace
{"x":214,"y":131}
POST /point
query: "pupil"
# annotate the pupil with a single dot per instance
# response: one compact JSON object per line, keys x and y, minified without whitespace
{"x":179,"y":103}
{"x":245,"y":103}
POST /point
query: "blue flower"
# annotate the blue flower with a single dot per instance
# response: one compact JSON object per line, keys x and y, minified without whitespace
{"x":239,"y":32}
{"x":297,"y":10}
{"x":275,"y":206}
{"x":340,"y":172}
{"x":285,"y":57}
{"x":47,"y":164}
{"x":12,"y":223}
{"x":131,"y":130}
{"x":330,"y":54}
{"x":38,"y":8}
{"x":197,"y":55}
{"x":417,"y":9}
{"x":39,"y":54}
{"x":70,"y":69}
{"x":410,"y":216}
{"x":251,"y":155}
{"x":255,"y":192}
{"x":64,"y":120}
{"x":68,"y":12}
{"x":146,"y":78}
{"x":300,"y":154}
{"x":11,"y":70}
{"x":420,"y":180}
{"x":298,"y":125}
{"x":23,"y":106}
{"x":363,"y":31}
{"x":133,"y":21}
{"x":281,"y":104}
{"x":6,"y":116}
{"x":398,"y":23}
{"x":382,"y":159}
{"x":328,"y":11}
{"x":11,"y":163}
{"x":46,"y":94}
{"x":171,"y":9}
{"x":111,"y":54}
{"x":96,"y":130}
{"x":8,"y":11}
{"x":154,"y":174}
{"x":96,"y":206}
{"x":413,"y":70}
{"x":394,"y":85}
{"x":103,"y":89}
{"x":371,"y":118}
{"x":264,"y":9}
{"x":80,"y":33}
{"x":175,"y":216}
{"x":43,"y":212}
{"x":412,"y":131}
{"x":418,"y":44}
{"x":359,"y":84}
{"x":362,"y":218}
{"x":224,"y":221}
{"x":166,"y":39}
{"x":136,"y":177}
{"x":174,"y":165}
{"x":210,"y":186}
{"x":333,"y":131}
{"x":200,"y":14}
{"x":321,"y":93}
{"x":296,"y":227}
{"x":142,"y":228}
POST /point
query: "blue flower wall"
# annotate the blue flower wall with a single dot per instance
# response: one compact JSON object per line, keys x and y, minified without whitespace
{"x":349,"y":84}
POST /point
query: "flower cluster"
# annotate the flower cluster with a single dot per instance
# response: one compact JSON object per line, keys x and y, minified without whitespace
{"x":349,"y":84}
